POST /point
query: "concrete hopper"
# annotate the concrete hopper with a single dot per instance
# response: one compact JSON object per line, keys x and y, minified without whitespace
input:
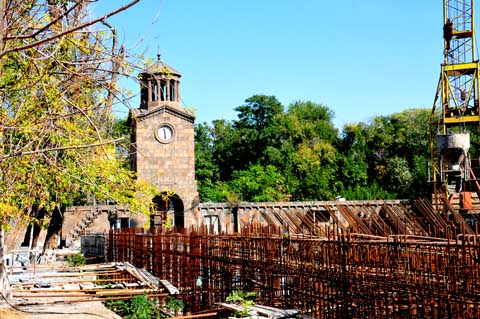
{"x":453,"y":148}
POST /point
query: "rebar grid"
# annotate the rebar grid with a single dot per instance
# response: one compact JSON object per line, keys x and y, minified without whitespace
{"x":343,"y":276}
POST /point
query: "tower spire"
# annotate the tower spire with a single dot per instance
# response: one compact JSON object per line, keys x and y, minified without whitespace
{"x":160,"y":85}
{"x":158,"y":53}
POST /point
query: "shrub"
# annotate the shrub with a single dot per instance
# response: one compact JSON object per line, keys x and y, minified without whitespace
{"x":244,"y":299}
{"x":76,"y":260}
{"x":139,"y":307}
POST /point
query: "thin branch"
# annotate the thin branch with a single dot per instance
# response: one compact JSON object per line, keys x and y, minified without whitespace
{"x":81,"y":26}
{"x":45,"y":27}
{"x":63,"y":148}
{"x":86,"y":116}
{"x":115,"y":65}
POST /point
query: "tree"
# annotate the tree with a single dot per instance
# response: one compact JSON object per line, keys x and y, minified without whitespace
{"x":399,"y":177}
{"x":380,"y":159}
{"x":390,"y":151}
{"x":314,"y":121}
{"x":57,"y":86}
{"x":259,"y":184}
{"x":225,"y":152}
{"x":299,"y":144}
{"x":258,"y":112}
{"x":257,"y":129}
{"x":311,"y":139}
{"x":315,"y":168}
{"x":206,"y":169}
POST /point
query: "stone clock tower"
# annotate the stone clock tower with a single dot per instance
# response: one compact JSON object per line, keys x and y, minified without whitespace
{"x":163,"y":144}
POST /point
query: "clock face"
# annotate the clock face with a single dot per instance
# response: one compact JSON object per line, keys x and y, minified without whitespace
{"x":165,"y":133}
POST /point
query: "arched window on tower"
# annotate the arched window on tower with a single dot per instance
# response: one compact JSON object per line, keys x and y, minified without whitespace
{"x":172,"y":90}
{"x":154,"y":91}
{"x":143,"y":95}
{"x":163,"y":90}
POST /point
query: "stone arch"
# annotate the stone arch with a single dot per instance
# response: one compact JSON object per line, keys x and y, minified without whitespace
{"x":168,"y":205}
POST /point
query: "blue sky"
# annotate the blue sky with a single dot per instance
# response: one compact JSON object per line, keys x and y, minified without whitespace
{"x":361,"y":58}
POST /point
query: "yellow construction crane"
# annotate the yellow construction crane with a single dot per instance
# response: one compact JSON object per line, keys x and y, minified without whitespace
{"x":456,"y":105}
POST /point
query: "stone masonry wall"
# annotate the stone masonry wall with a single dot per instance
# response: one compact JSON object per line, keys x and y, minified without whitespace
{"x":169,"y":166}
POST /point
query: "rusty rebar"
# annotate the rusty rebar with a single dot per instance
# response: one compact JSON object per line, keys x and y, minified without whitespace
{"x":401,"y":276}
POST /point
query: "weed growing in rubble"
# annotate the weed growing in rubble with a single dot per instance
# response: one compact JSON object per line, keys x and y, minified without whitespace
{"x":120,"y":307}
{"x":173,"y":304}
{"x":139,"y":307}
{"x":76,"y":260}
{"x":142,"y":307}
{"x":244,"y":299}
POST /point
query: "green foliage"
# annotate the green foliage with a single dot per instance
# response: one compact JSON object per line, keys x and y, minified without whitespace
{"x":215,"y":192}
{"x":171,"y":303}
{"x":142,"y":307}
{"x":258,"y":112}
{"x":244,"y":299}
{"x":256,"y":129}
{"x":120,"y":307}
{"x":139,"y":307}
{"x":76,"y":260}
{"x":59,"y":140}
{"x":259,"y":184}
{"x":368,"y":192}
{"x":205,"y":168}
{"x":269,"y":154}
{"x":311,"y":121}
{"x":399,"y":177}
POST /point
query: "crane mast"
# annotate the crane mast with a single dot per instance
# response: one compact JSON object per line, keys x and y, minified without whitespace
{"x":456,"y":105}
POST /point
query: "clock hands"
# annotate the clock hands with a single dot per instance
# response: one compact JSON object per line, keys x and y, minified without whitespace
{"x":164,"y":133}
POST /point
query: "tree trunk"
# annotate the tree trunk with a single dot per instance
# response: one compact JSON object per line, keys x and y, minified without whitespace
{"x":34,"y":230}
{"x":54,"y":229}
{"x":4,"y":284}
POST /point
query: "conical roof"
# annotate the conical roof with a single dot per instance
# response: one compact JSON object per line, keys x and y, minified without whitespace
{"x":160,"y":67}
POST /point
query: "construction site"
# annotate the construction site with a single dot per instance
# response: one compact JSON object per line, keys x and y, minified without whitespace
{"x":342,"y":259}
{"x":383,"y":262}
{"x":329,"y":259}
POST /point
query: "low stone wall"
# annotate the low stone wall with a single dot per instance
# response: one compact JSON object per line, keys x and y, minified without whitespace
{"x":227,"y":217}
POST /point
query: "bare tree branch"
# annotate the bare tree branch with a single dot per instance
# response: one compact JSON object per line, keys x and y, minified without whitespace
{"x":45,"y":27}
{"x":63,"y":148}
{"x":59,"y":35}
{"x":115,"y":65}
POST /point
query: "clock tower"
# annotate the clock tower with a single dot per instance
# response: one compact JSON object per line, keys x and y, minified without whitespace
{"x":163,"y":149}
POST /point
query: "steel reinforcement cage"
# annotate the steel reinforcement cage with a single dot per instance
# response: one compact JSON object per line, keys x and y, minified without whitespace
{"x":341,"y":276}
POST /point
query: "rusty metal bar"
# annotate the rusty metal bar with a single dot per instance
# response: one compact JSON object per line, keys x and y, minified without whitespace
{"x":397,"y":276}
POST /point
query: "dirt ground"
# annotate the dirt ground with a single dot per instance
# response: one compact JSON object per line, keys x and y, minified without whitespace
{"x":81,"y":310}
